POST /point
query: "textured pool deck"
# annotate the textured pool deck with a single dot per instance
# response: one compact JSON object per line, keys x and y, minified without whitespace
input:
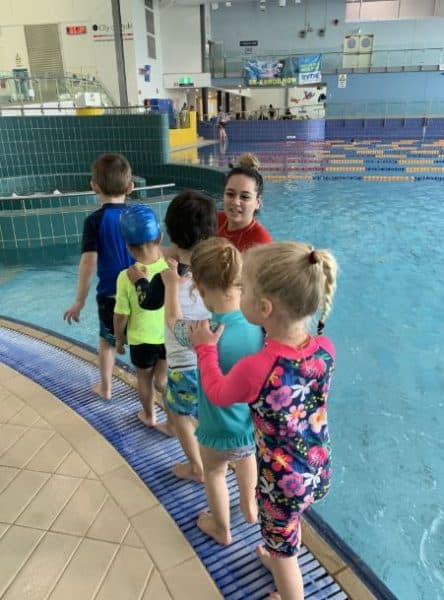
{"x":82,"y":519}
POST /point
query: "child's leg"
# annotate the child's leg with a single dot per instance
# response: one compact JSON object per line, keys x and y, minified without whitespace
{"x":246,"y":475}
{"x":106,"y":364}
{"x":185,"y":427}
{"x":286,"y":574}
{"x":216,"y":523}
{"x":146,"y":396}
{"x":160,"y":382}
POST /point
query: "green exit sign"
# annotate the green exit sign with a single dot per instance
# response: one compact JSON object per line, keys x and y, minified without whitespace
{"x":185,"y":82}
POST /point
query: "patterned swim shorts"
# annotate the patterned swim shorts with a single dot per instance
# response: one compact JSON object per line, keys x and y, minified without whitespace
{"x":181,"y":394}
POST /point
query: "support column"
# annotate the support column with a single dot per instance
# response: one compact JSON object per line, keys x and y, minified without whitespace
{"x":243,"y":107}
{"x":204,"y":116}
{"x":219,"y":100}
{"x":227,"y":102}
{"x":120,"y":55}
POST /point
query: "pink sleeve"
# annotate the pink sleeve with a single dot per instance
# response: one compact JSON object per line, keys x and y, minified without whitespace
{"x":326,"y":344}
{"x":242,"y":384}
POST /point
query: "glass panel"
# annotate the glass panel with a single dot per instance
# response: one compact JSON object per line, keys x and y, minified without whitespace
{"x":151,"y":42}
{"x":149,"y":21}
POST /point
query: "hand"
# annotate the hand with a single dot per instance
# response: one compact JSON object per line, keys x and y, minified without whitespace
{"x":200,"y":333}
{"x":171,"y":276}
{"x":134,"y":274}
{"x":73,"y":313}
{"x":120,"y":348}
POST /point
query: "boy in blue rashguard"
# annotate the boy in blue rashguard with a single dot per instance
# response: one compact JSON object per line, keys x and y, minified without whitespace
{"x":104,"y":249}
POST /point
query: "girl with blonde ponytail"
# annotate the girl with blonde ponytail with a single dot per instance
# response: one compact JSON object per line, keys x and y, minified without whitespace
{"x":286,"y":384}
{"x":225,"y":434}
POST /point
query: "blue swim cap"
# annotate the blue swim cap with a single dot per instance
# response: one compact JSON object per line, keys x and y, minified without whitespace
{"x":139,"y":224}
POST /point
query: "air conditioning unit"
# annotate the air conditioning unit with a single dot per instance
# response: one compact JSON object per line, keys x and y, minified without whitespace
{"x":302,"y":33}
{"x":321,"y":32}
{"x":366,"y":43}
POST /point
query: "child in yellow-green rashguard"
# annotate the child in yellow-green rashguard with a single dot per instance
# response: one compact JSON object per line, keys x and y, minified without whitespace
{"x":144,"y":327}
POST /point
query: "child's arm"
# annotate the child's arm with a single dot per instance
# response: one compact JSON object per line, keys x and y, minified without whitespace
{"x":120,"y":322}
{"x":171,"y":280}
{"x":87,"y":268}
{"x":242,"y":383}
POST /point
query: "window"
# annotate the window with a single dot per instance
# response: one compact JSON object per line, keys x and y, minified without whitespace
{"x":151,"y":41}
{"x":150,"y":29}
{"x":149,"y":21}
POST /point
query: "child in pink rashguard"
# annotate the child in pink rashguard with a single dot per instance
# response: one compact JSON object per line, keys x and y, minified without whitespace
{"x":286,"y":385}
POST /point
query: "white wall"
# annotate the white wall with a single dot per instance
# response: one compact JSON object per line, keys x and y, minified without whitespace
{"x":13,"y":43}
{"x":153,"y":88}
{"x":84,"y":53}
{"x":180,"y":27}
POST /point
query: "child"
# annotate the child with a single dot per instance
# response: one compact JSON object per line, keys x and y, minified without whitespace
{"x":286,"y":385}
{"x":144,"y":328}
{"x":103,"y":247}
{"x":225,"y":434}
{"x":190,"y":217}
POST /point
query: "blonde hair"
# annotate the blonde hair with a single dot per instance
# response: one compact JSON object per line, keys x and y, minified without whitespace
{"x":249,"y":160}
{"x":300,"y":278}
{"x":216,"y":264}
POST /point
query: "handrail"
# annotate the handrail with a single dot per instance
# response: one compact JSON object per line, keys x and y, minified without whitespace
{"x":13,"y":196}
{"x":339,"y":61}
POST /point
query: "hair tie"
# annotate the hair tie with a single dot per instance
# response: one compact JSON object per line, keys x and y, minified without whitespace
{"x":312,"y":258}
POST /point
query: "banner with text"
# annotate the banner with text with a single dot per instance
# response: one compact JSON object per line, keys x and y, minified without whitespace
{"x":271,"y":72}
{"x":288,"y":71}
{"x":309,"y":68}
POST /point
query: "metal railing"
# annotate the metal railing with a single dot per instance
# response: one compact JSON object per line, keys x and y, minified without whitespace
{"x":24,"y":88}
{"x":56,"y":194}
{"x":414,"y":59}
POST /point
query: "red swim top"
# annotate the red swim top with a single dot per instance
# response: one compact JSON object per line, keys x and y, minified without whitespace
{"x":244,"y":238}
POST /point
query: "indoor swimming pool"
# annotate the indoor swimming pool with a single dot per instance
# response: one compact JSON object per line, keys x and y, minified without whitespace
{"x":387,"y":399}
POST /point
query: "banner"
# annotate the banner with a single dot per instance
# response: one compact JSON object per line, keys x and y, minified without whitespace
{"x":288,"y":71}
{"x":309,"y":68}
{"x":271,"y":73}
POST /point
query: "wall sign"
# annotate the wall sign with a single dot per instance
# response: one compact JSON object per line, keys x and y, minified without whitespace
{"x":76,"y":29}
{"x":248,"y":43}
{"x":342,"y":80}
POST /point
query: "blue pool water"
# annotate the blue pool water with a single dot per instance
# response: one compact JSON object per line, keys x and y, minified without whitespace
{"x":386,"y":405}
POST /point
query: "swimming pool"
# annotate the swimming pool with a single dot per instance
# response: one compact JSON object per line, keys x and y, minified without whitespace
{"x":387,"y":500}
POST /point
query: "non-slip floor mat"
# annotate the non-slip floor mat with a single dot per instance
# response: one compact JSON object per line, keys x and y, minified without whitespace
{"x":235,"y":569}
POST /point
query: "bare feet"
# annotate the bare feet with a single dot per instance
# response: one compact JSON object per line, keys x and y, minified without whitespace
{"x":98,"y":389}
{"x":147,"y":420}
{"x":249,"y":510}
{"x":264,"y":556}
{"x":165,"y":428}
{"x":188,"y":471}
{"x":205,"y":522}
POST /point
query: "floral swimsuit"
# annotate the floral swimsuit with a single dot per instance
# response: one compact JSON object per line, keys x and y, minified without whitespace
{"x":287,"y":389}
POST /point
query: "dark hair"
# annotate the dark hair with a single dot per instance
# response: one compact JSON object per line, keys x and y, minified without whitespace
{"x":112,"y":173}
{"x":248,"y":172}
{"x":190,"y":218}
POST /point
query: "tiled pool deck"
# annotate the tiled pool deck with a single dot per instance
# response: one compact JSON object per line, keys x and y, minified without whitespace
{"x":77,"y":522}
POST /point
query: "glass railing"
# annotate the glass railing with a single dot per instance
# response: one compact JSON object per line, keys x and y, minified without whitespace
{"x":373,"y":110}
{"x":415,"y":59}
{"x":23,"y":89}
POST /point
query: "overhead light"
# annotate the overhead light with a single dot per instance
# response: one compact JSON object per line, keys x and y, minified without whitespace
{"x":282,"y":3}
{"x":215,"y":5}
{"x":297,"y":1}
{"x":228,"y":3}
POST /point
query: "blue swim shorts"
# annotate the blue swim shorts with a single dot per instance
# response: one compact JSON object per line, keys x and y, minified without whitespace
{"x":181,"y":394}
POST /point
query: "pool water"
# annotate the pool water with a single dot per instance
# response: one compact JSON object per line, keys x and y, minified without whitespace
{"x":386,"y":405}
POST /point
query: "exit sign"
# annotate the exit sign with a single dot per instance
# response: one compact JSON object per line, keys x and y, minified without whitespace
{"x":186,"y":82}
{"x":76,"y":29}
